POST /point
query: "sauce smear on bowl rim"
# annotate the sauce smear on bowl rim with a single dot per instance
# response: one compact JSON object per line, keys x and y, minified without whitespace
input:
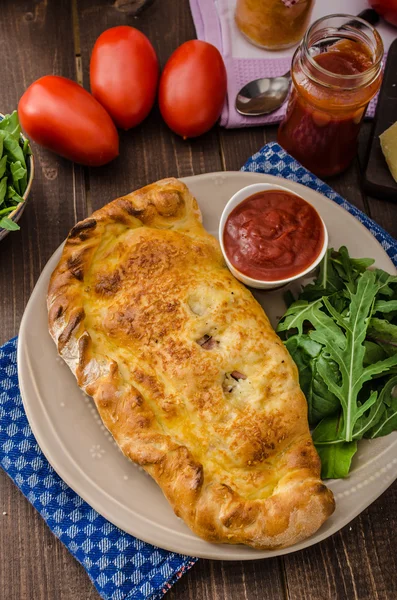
{"x":273,"y":235}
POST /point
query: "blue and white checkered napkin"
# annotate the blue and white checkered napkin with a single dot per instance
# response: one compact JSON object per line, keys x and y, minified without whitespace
{"x":272,"y":159}
{"x":120,"y":566}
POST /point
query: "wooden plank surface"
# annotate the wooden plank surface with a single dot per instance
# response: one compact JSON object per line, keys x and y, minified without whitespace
{"x":40,"y":37}
{"x":149,"y":152}
{"x":34,"y":565}
{"x":57,"y":198}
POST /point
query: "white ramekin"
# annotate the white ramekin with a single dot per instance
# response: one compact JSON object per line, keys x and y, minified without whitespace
{"x":239,"y":197}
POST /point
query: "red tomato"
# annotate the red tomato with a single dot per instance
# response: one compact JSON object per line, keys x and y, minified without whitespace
{"x":60,"y":115}
{"x":386,"y":8}
{"x":193,"y":88}
{"x":124,"y":72}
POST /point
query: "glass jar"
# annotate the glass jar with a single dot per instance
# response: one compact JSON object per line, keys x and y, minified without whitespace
{"x":273,"y":24}
{"x":336,"y":71}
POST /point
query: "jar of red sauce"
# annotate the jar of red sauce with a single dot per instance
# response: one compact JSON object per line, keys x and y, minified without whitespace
{"x":336,"y":71}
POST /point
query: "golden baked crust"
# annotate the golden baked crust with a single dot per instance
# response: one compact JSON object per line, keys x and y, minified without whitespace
{"x":186,"y":371}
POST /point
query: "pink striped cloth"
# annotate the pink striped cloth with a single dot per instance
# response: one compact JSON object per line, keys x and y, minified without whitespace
{"x":207,"y":17}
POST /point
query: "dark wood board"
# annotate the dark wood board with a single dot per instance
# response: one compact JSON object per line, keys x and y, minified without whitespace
{"x":383,"y":212}
{"x":55,"y":36}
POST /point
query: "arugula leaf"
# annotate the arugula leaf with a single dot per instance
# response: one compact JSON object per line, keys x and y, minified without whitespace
{"x":386,"y":281}
{"x":385,"y":306}
{"x":6,"y":211}
{"x":361,"y":264}
{"x":26,"y":148}
{"x":301,"y":312}
{"x":12,"y":148}
{"x":18,"y":173}
{"x":307,"y":354}
{"x":373,"y":353}
{"x":296,"y":315}
{"x":388,"y":419}
{"x":335,"y":454}
{"x":345,"y":268}
{"x":3,"y":164}
{"x":326,"y":283}
{"x":13,"y":196}
{"x":349,"y":353}
{"x":6,"y":223}
{"x":370,"y":418}
{"x":10,"y":123}
{"x":336,"y":459}
{"x":388,"y":349}
{"x":382,"y":331}
{"x":3,"y":189}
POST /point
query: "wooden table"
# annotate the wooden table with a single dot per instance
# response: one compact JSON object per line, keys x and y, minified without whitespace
{"x":38,"y":37}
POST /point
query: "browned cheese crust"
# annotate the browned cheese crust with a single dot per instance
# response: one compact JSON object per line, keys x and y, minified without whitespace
{"x":186,"y":371}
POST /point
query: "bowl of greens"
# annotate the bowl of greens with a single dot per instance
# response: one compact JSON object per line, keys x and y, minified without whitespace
{"x":16,"y":173}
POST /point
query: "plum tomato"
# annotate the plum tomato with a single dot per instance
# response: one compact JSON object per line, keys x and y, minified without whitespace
{"x":193,"y":88}
{"x":60,"y":115}
{"x":124,"y":72}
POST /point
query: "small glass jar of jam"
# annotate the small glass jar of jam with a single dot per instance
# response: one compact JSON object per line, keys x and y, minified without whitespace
{"x":273,"y":24}
{"x":336,"y":71}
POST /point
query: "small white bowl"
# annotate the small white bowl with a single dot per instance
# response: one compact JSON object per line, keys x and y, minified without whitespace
{"x":239,"y":197}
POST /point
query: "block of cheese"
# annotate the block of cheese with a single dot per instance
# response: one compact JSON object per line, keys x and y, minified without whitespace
{"x":388,"y":142}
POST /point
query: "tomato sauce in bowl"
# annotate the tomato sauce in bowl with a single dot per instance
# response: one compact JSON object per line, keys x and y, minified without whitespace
{"x":273,"y":235}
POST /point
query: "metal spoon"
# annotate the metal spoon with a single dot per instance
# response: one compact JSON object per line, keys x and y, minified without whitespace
{"x":265,"y":95}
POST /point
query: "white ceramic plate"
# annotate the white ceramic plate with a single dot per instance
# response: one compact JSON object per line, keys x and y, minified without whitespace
{"x":71,"y":435}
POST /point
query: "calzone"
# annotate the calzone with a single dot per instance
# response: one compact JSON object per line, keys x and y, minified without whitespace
{"x":186,"y":371}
